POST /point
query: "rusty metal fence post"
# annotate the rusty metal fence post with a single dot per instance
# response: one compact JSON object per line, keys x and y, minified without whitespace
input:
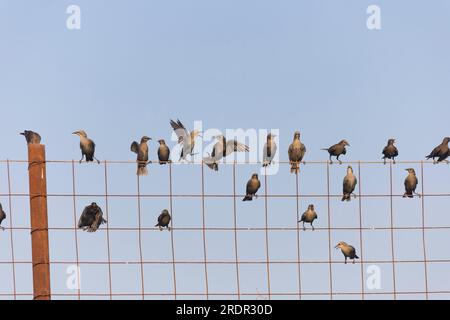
{"x":39,"y":222}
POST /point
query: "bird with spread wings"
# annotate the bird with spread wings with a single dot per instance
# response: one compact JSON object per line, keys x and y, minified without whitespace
{"x":186,"y":138}
{"x":222,"y":149}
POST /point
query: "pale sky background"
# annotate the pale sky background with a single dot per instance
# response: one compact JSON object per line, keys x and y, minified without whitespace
{"x":290,"y":65}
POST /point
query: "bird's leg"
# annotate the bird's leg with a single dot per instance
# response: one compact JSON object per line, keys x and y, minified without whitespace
{"x":168,"y":228}
{"x":393,"y":160}
{"x":345,"y":260}
{"x":384,"y":160}
{"x":160,"y":228}
{"x":149,"y":162}
{"x":418,"y":194}
{"x":337,"y":158}
{"x":354,"y":261}
{"x":82,"y":157}
{"x":304,"y":228}
{"x":354,"y":195}
{"x":447,"y":162}
{"x":405,"y":195}
{"x":312,"y":226}
{"x":331,"y":161}
{"x":2,"y":228}
{"x":98,"y":161}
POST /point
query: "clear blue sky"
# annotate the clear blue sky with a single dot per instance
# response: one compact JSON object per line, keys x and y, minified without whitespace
{"x":291,"y":65}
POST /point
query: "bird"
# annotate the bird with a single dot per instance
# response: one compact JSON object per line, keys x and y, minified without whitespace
{"x":270,"y":150}
{"x":141,"y":149}
{"x":348,"y":251}
{"x":87,"y":147}
{"x":296,"y":153}
{"x":185,"y":137}
{"x":442,"y":152}
{"x":2,"y":216}
{"x":349,"y":184}
{"x":390,"y":151}
{"x":222,"y":149}
{"x":31,"y":137}
{"x":309,"y":216}
{"x":253,"y":186}
{"x":164,"y":220}
{"x":91,"y":218}
{"x":163,"y":152}
{"x":337,"y":150}
{"x":411,"y":183}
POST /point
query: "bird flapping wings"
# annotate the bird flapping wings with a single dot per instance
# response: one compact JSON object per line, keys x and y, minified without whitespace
{"x":235,"y":146}
{"x":180,"y":130}
{"x":135,"y":147}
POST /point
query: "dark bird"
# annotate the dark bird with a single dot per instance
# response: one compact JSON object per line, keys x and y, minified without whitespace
{"x":164,"y":220}
{"x":442,"y":152}
{"x":2,"y":216}
{"x":253,"y":186}
{"x":411,"y":183}
{"x":31,"y":137}
{"x":87,"y":147}
{"x":141,"y":149}
{"x":337,"y":150}
{"x":270,"y":150}
{"x":348,"y":251}
{"x":91,"y":218}
{"x":296,"y":153}
{"x":222,"y":149}
{"x":163,"y":152}
{"x":390,"y":151}
{"x":185,"y":137}
{"x":309,"y":216}
{"x":349,"y":184}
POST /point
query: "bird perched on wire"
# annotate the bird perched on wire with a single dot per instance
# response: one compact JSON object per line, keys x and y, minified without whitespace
{"x":411,"y":183}
{"x":163,"y":152}
{"x":87,"y":147}
{"x":270,"y":150}
{"x":296,"y":153}
{"x":141,"y":149}
{"x":442,"y":152}
{"x":390,"y":151}
{"x":31,"y":137}
{"x":222,"y":149}
{"x":349,"y":184}
{"x":186,"y":138}
{"x":164,"y":220}
{"x":2,"y":216}
{"x":348,"y":251}
{"x":309,"y":216}
{"x":253,"y":186}
{"x":337,"y":150}
{"x":91,"y":218}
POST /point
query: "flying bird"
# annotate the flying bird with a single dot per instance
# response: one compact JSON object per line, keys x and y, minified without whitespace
{"x":31,"y":137}
{"x":270,"y":150}
{"x":411,"y":183}
{"x":337,"y":150}
{"x":222,"y":149}
{"x":349,"y":185}
{"x":163,"y":152}
{"x":442,"y":152}
{"x":253,"y":186}
{"x":185,"y":137}
{"x":164,"y":220}
{"x":141,"y":149}
{"x":348,"y":251}
{"x":296,"y":153}
{"x":2,"y":216}
{"x":87,"y":147}
{"x":390,"y":151}
{"x":91,"y":218}
{"x":308,"y":217}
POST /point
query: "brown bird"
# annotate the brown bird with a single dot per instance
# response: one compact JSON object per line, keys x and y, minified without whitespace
{"x":348,"y":251}
{"x":390,"y":151}
{"x":349,"y":184}
{"x":87,"y":147}
{"x":442,"y":152}
{"x":309,"y":216}
{"x":253,"y":186}
{"x":91,"y":218}
{"x":411,"y":183}
{"x":2,"y":216}
{"x":163,"y":152}
{"x":270,"y":149}
{"x":337,"y":150}
{"x":296,"y":153}
{"x":222,"y":149}
{"x":164,"y":220}
{"x":185,"y":137}
{"x":141,"y":149}
{"x":31,"y":137}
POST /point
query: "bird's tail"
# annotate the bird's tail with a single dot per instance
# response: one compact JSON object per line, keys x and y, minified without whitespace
{"x":324,"y":149}
{"x":428,"y":157}
{"x":346,"y":197}
{"x":356,"y":257}
{"x":247,"y":198}
{"x":142,"y":170}
{"x":89,"y":158}
{"x":409,"y":194}
{"x":213,"y":166}
{"x":295,"y":167}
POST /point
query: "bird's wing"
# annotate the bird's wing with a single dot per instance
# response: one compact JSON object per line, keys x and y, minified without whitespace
{"x":385,"y":150}
{"x":180,"y":130}
{"x":135,"y":147}
{"x":235,"y":146}
{"x":303,"y":150}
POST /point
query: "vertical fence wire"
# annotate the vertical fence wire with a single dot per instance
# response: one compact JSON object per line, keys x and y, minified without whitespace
{"x":266,"y":213}
{"x":391,"y":191}
{"x":11,"y":236}
{"x":330,"y":245}
{"x":77,"y":254}
{"x":361,"y":249}
{"x":108,"y":241}
{"x":141,"y":261}
{"x":172,"y":243}
{"x":425,"y":264}
{"x":297,"y":200}
{"x":204,"y":232}
{"x":236,"y":251}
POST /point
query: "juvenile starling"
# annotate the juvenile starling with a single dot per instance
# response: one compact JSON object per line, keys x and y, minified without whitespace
{"x":31,"y":137}
{"x":2,"y":216}
{"x":163,"y":152}
{"x":222,"y":149}
{"x":296,"y":153}
{"x":87,"y":147}
{"x":253,"y":186}
{"x":141,"y":149}
{"x":349,"y":184}
{"x":185,"y":137}
{"x":348,"y":251}
{"x":337,"y":150}
{"x":164,"y":220}
{"x":309,"y":216}
{"x":91,"y":218}
{"x":390,"y":151}
{"x":411,"y":183}
{"x":442,"y":152}
{"x":269,"y":151}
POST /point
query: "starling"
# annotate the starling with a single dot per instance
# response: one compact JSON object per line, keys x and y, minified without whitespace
{"x":164,"y":220}
{"x":348,"y":251}
{"x":253,"y":186}
{"x":270,"y":149}
{"x":185,"y":137}
{"x":309,"y":216}
{"x":163,"y":152}
{"x":296,"y":153}
{"x":337,"y":150}
{"x":349,"y":184}
{"x":442,"y":152}
{"x":2,"y":216}
{"x":411,"y":183}
{"x":87,"y":147}
{"x":142,"y":155}
{"x":390,"y":151}
{"x":91,"y":218}
{"x":31,"y":137}
{"x":222,"y":149}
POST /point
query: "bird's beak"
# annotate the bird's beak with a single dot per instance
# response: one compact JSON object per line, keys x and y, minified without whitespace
{"x":22,"y":133}
{"x":76,"y":132}
{"x":337,"y":247}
